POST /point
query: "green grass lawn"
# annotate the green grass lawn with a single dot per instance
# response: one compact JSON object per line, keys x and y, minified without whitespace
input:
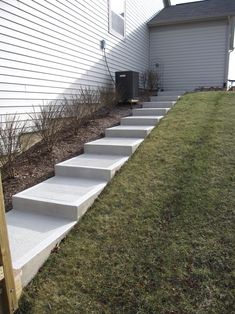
{"x":160,"y":237}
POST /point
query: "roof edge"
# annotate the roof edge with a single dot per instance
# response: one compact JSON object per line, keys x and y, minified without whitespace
{"x":189,"y":20}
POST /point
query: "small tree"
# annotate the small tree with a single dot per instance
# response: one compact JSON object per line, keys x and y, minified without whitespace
{"x":11,"y":146}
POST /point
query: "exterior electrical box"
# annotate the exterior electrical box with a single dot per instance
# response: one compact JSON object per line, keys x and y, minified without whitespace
{"x":127,"y":85}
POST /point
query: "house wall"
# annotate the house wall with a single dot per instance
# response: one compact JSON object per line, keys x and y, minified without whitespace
{"x":49,"y":48}
{"x":191,"y":55}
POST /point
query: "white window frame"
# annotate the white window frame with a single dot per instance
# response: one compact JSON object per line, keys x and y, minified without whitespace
{"x":111,"y":30}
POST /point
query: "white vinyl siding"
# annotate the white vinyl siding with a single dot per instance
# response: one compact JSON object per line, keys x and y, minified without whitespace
{"x":49,"y":48}
{"x":190,"y":55}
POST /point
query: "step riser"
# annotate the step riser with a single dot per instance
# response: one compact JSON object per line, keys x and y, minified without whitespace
{"x":149,"y":122}
{"x":45,"y":208}
{"x":87,"y":173}
{"x":159,"y":104}
{"x":127,"y":133}
{"x":70,"y":212}
{"x":109,"y":149}
{"x":150,"y":112}
{"x":164,"y":98}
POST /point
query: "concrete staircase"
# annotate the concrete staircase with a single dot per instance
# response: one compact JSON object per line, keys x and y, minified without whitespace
{"x":43,"y":214}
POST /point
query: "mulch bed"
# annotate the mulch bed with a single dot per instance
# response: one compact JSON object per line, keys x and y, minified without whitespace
{"x":37,"y":164}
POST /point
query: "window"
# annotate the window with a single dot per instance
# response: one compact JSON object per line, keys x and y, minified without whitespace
{"x":117,"y":17}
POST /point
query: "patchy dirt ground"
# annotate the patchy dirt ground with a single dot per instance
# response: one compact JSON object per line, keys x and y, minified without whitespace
{"x":36,"y":165}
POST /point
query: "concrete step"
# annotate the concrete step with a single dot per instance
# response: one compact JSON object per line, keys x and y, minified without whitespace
{"x":129,"y":131}
{"x":32,"y":237}
{"x":91,"y":166}
{"x":150,"y":111}
{"x":165,"y":98}
{"x":61,"y":197}
{"x":45,"y":213}
{"x":170,"y":93}
{"x":158,"y":104}
{"x":113,"y":146}
{"x":141,"y":120}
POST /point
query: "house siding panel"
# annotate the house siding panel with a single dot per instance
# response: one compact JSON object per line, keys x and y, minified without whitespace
{"x":50,"y":48}
{"x":190,"y":55}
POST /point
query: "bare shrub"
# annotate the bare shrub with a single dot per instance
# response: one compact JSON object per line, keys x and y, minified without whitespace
{"x":150,"y":81}
{"x":48,"y":122}
{"x":90,"y":97}
{"x":99,"y":98}
{"x":108,"y":97}
{"x":87,"y":102}
{"x":75,"y":112}
{"x":11,"y":146}
{"x":153,"y":80}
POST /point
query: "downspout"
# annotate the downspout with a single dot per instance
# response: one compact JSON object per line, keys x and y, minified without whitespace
{"x":166,"y":3}
{"x":230,"y":46}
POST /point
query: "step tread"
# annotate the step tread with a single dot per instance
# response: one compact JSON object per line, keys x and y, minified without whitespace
{"x":158,"y":104}
{"x":172,"y":92}
{"x":131,"y":131}
{"x":142,"y":117}
{"x":94,"y":161}
{"x":165,"y":98}
{"x":173,"y":95}
{"x":30,"y":233}
{"x":116,"y":141}
{"x":158,"y":101}
{"x":152,"y":109}
{"x":63,"y":190}
{"x":150,"y":112}
{"x":132,"y":127}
